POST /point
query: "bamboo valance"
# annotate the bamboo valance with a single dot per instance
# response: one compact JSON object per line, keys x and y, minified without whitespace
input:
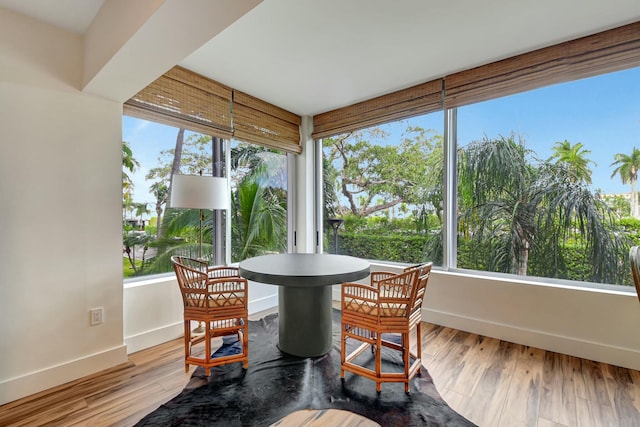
{"x":262,"y":123}
{"x":608,"y":51}
{"x":421,"y":99}
{"x":188,"y":100}
{"x":185,"y":99}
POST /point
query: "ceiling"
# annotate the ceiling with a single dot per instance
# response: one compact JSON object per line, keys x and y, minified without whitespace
{"x":310,"y":56}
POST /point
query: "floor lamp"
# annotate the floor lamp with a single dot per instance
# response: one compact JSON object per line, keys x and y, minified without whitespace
{"x":199,"y":192}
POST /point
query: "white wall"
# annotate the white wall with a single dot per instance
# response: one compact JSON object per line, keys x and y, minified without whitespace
{"x":153,"y":310}
{"x":60,"y":210}
{"x":589,"y":323}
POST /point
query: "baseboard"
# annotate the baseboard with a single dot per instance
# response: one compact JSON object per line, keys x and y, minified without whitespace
{"x":336,"y":293}
{"x":34,"y":382}
{"x":624,"y":357}
{"x":261,"y":304}
{"x":153,"y":337}
{"x":172,"y":331}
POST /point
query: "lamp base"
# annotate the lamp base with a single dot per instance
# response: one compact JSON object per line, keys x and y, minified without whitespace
{"x":198,"y":329}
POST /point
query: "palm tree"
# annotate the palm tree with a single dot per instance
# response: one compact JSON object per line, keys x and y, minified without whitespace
{"x":573,"y":156}
{"x":132,"y":239}
{"x":177,"y":156}
{"x":127,"y":205}
{"x":258,"y":209}
{"x":260,"y":221}
{"x":129,"y":163}
{"x":161,"y":193}
{"x":141,"y":208}
{"x":513,"y":207}
{"x":627,"y":168}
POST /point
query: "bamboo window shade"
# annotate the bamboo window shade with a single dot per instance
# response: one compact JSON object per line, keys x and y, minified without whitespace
{"x":188,"y":100}
{"x":262,"y":123}
{"x":604,"y":52}
{"x":416,"y":100}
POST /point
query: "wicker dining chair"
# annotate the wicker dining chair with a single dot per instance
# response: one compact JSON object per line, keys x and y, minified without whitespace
{"x":218,"y":298}
{"x":634,"y":260}
{"x":391,"y":304}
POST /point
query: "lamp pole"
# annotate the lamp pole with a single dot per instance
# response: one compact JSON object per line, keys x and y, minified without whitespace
{"x":218,"y":218}
{"x":335,"y":224}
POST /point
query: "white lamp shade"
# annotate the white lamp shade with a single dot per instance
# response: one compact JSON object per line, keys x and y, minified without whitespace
{"x":199,"y":192}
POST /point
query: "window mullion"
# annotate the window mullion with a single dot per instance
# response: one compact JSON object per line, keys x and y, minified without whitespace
{"x":449,"y":235}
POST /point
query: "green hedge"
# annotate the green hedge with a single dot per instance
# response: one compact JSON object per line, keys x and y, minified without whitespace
{"x":471,"y":255}
{"x":396,"y":248}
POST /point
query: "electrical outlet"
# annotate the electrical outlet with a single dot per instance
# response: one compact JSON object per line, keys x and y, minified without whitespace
{"x":96,"y":316}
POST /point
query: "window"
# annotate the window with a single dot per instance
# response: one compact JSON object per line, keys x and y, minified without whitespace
{"x":541,"y":180}
{"x":259,"y":201}
{"x":152,"y":232}
{"x":383,"y":191}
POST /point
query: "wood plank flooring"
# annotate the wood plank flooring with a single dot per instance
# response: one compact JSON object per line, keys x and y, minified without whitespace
{"x":491,"y":382}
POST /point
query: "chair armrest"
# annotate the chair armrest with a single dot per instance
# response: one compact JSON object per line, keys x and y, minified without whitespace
{"x":359,"y":289}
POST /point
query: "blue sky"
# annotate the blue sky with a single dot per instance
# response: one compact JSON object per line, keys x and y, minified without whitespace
{"x":146,"y":139}
{"x":603,"y":113}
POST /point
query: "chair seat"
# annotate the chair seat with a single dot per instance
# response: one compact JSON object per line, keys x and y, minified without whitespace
{"x":216,"y":302}
{"x":370,"y":308}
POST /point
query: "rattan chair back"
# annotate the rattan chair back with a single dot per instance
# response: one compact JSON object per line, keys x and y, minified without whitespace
{"x":391,"y":304}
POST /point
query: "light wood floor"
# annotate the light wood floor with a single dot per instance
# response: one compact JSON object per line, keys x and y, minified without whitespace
{"x":493,"y":383}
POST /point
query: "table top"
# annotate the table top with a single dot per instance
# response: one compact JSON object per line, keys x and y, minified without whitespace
{"x":304,"y":270}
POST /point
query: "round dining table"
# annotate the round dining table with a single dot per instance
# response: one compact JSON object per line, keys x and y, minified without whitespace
{"x":304,"y":298}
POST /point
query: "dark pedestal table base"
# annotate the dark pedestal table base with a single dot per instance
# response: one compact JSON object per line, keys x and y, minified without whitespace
{"x":305,"y":327}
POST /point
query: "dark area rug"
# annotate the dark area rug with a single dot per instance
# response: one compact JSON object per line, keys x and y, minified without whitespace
{"x":277,"y":384}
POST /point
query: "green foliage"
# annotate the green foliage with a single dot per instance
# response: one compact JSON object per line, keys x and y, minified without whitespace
{"x":194,"y":157}
{"x":130,"y":164}
{"x":574,"y":158}
{"x":385,"y":239}
{"x":631,"y":227}
{"x":472,"y":254}
{"x":258,"y":212}
{"x":373,"y":177}
{"x":133,"y":241}
{"x":127,"y":270}
{"x":384,"y":225}
{"x":516,"y":207}
{"x":517,"y":214}
{"x":406,"y":249}
{"x":627,"y":166}
{"x":260,"y":220}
